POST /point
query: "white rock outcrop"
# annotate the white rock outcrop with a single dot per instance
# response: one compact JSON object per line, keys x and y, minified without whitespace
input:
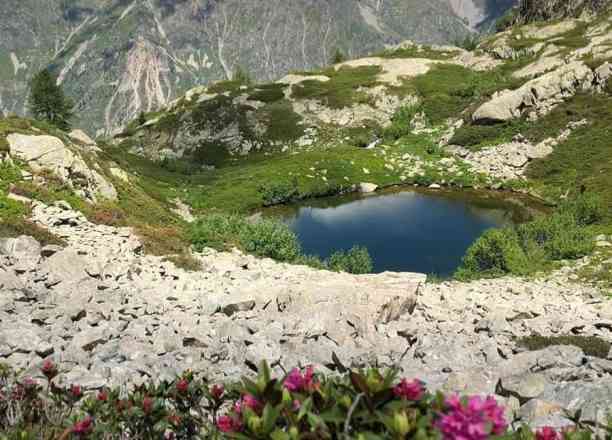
{"x":50,"y":153}
{"x":537,"y":96}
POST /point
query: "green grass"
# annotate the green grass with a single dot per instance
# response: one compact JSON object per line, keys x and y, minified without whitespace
{"x":599,"y":270}
{"x":414,"y":52}
{"x":268,"y":93}
{"x":447,"y":90}
{"x":584,"y":161}
{"x":13,"y":214}
{"x":323,"y":169}
{"x":477,"y":137}
{"x":574,"y":39}
{"x":283,"y":124}
{"x":341,"y":90}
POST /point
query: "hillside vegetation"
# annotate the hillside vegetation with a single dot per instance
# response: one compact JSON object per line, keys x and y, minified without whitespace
{"x":236,"y":146}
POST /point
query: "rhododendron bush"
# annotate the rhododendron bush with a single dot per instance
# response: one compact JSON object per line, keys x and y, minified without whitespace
{"x":364,"y":405}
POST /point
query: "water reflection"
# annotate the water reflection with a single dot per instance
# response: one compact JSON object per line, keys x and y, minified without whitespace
{"x":404,"y":231}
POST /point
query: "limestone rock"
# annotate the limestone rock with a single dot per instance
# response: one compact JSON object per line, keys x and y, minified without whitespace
{"x":50,"y":153}
{"x":523,"y":386}
{"x":81,"y":137}
{"x":537,"y":96}
{"x":593,"y":399}
{"x":366,"y":188}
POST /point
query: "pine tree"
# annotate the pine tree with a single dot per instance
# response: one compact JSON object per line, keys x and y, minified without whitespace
{"x":241,"y":76}
{"x":47,"y":100}
{"x":338,"y":57}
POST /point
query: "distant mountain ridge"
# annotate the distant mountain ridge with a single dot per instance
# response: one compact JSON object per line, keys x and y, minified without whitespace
{"x":117,"y":58}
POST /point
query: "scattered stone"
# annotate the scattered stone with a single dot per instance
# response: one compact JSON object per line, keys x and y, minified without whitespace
{"x":366,"y":188}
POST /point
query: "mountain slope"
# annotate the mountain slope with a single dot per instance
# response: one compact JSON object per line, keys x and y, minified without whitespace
{"x":119,"y":57}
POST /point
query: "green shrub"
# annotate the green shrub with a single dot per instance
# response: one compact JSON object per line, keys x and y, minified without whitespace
{"x":529,"y":247}
{"x":279,"y":192}
{"x":268,"y":93}
{"x":357,"y":260}
{"x":401,"y":122}
{"x":470,"y":42}
{"x":269,"y":238}
{"x":587,"y":209}
{"x":558,"y":235}
{"x":496,"y":252}
{"x":367,"y":404}
{"x":217,"y":231}
{"x":338,"y":57}
{"x":483,"y":135}
{"x":283,"y":123}
{"x":591,"y":345}
{"x":264,"y":238}
{"x":311,"y":261}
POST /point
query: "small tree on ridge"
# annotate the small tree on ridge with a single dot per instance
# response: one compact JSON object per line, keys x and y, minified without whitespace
{"x":47,"y":101}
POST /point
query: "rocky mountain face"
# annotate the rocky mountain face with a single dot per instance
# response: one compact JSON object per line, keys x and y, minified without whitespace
{"x":538,"y":10}
{"x":481,"y":14}
{"x":117,"y":58}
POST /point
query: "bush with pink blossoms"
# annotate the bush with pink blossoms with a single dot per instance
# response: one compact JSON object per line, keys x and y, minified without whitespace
{"x":302,"y":405}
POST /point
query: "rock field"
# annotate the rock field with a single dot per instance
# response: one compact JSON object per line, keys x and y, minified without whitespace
{"x":109,"y":315}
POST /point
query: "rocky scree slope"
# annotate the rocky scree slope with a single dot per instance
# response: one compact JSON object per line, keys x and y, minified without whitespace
{"x":109,"y":315}
{"x":117,"y":58}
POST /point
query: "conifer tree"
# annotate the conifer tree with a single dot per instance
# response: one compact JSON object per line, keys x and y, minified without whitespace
{"x":47,"y":101}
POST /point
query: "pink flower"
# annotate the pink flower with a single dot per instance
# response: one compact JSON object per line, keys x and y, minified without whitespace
{"x":548,"y":433}
{"x":216,"y":391}
{"x":49,"y":369}
{"x":251,"y":402}
{"x":76,"y":391}
{"x":83,"y":427}
{"x":29,"y":383}
{"x":296,"y":405}
{"x":229,"y":424}
{"x":409,"y":390}
{"x":182,"y":386}
{"x":474,"y":420}
{"x":147,"y":405}
{"x":296,"y":381}
{"x":174,"y":419}
{"x":102,"y":396}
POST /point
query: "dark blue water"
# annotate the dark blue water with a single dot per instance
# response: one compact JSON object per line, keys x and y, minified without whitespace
{"x":403,"y":231}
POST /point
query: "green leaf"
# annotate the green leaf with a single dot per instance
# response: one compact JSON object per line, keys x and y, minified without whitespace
{"x":270,"y":415}
{"x":250,"y":386}
{"x":271,"y":393}
{"x":279,"y":435}
{"x":359,"y":383}
{"x":264,"y":370}
{"x":306,"y":405}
